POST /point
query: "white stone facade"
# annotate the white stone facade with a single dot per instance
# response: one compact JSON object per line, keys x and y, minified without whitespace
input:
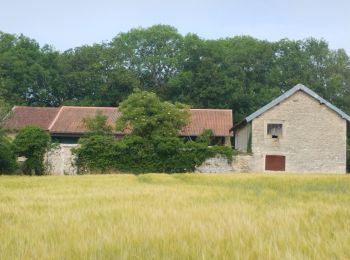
{"x":61,"y":161}
{"x":218,"y":164}
{"x":313,"y":136}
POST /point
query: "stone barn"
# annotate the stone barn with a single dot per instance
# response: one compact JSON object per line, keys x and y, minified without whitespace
{"x":297,"y":132}
{"x":65,"y":126}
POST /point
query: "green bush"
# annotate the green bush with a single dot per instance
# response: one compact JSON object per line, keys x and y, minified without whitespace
{"x":103,"y":153}
{"x":206,"y":137}
{"x":7,"y":156}
{"x":32,"y":142}
{"x":97,"y":153}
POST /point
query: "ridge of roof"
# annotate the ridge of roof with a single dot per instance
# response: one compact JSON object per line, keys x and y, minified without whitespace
{"x":16,"y":106}
{"x":90,"y":107}
{"x":212,"y":109}
{"x":289,"y":93}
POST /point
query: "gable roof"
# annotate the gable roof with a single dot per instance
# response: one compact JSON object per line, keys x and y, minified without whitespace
{"x":287,"y":94}
{"x":67,"y":120}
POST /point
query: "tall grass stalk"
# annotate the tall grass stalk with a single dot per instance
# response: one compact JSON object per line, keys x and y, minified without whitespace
{"x":180,"y":216}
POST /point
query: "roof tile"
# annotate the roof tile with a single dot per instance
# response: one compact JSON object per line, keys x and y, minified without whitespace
{"x":68,"y":119}
{"x":21,"y":116}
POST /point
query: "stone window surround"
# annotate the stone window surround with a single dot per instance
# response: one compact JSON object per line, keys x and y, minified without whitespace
{"x":274,"y":121}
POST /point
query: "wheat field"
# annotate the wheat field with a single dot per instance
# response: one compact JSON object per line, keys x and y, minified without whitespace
{"x":179,"y":216}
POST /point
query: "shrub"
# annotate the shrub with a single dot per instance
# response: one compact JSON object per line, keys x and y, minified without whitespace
{"x":7,"y":156}
{"x":206,"y":137}
{"x":96,"y":153}
{"x":32,"y":142}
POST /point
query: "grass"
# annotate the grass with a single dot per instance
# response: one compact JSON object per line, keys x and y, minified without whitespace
{"x":180,"y":216}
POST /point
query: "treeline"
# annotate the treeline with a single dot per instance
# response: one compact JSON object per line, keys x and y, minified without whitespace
{"x":240,"y":73}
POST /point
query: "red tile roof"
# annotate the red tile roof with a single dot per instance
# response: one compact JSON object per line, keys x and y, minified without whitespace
{"x":68,"y":119}
{"x":218,"y":120}
{"x":21,"y":116}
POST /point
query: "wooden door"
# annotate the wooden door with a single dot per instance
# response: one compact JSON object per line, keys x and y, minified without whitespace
{"x":275,"y":163}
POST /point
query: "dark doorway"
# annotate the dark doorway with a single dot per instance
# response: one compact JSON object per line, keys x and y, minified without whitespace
{"x":275,"y":163}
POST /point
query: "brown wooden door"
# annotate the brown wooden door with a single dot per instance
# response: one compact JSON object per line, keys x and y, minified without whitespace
{"x":275,"y":163}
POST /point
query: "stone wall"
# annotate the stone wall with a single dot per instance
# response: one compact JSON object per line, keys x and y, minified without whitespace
{"x":242,"y":163}
{"x":218,"y":164}
{"x":61,"y":161}
{"x":242,"y":138}
{"x":313,"y":136}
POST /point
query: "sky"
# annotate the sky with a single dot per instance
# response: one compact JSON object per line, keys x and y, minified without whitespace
{"x":67,"y":24}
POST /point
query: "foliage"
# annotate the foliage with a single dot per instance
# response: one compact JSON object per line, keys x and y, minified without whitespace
{"x":96,"y":153}
{"x":103,"y":153}
{"x":4,"y":110}
{"x":32,"y":142}
{"x":98,"y":124}
{"x":148,"y":116}
{"x":153,"y":54}
{"x":206,"y":137}
{"x":7,"y":156}
{"x":241,"y":73}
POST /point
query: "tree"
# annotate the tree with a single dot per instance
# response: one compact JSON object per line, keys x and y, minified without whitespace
{"x":32,"y":142}
{"x":27,"y":72}
{"x":152,"y":53}
{"x":89,"y":76}
{"x":4,"y":110}
{"x":147,"y":116}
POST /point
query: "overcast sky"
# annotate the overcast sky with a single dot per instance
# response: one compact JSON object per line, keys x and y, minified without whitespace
{"x":71,"y":23}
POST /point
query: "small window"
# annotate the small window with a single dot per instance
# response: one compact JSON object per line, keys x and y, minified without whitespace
{"x":275,"y":130}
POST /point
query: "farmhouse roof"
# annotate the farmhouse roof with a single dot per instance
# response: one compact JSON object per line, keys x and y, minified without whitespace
{"x":284,"y":96}
{"x":67,"y":120}
{"x":219,"y":120}
{"x":21,"y":116}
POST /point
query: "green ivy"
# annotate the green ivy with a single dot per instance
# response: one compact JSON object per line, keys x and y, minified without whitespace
{"x":103,"y":153}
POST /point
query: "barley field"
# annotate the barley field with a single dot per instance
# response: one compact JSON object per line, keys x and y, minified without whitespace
{"x":179,"y":216}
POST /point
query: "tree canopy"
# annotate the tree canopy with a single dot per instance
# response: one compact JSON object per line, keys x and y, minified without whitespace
{"x":147,"y":116}
{"x":240,"y":73}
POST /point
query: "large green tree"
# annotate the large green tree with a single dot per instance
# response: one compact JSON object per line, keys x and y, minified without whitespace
{"x":145,"y":115}
{"x":90,"y":77}
{"x":153,"y":54}
{"x":27,"y":72}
